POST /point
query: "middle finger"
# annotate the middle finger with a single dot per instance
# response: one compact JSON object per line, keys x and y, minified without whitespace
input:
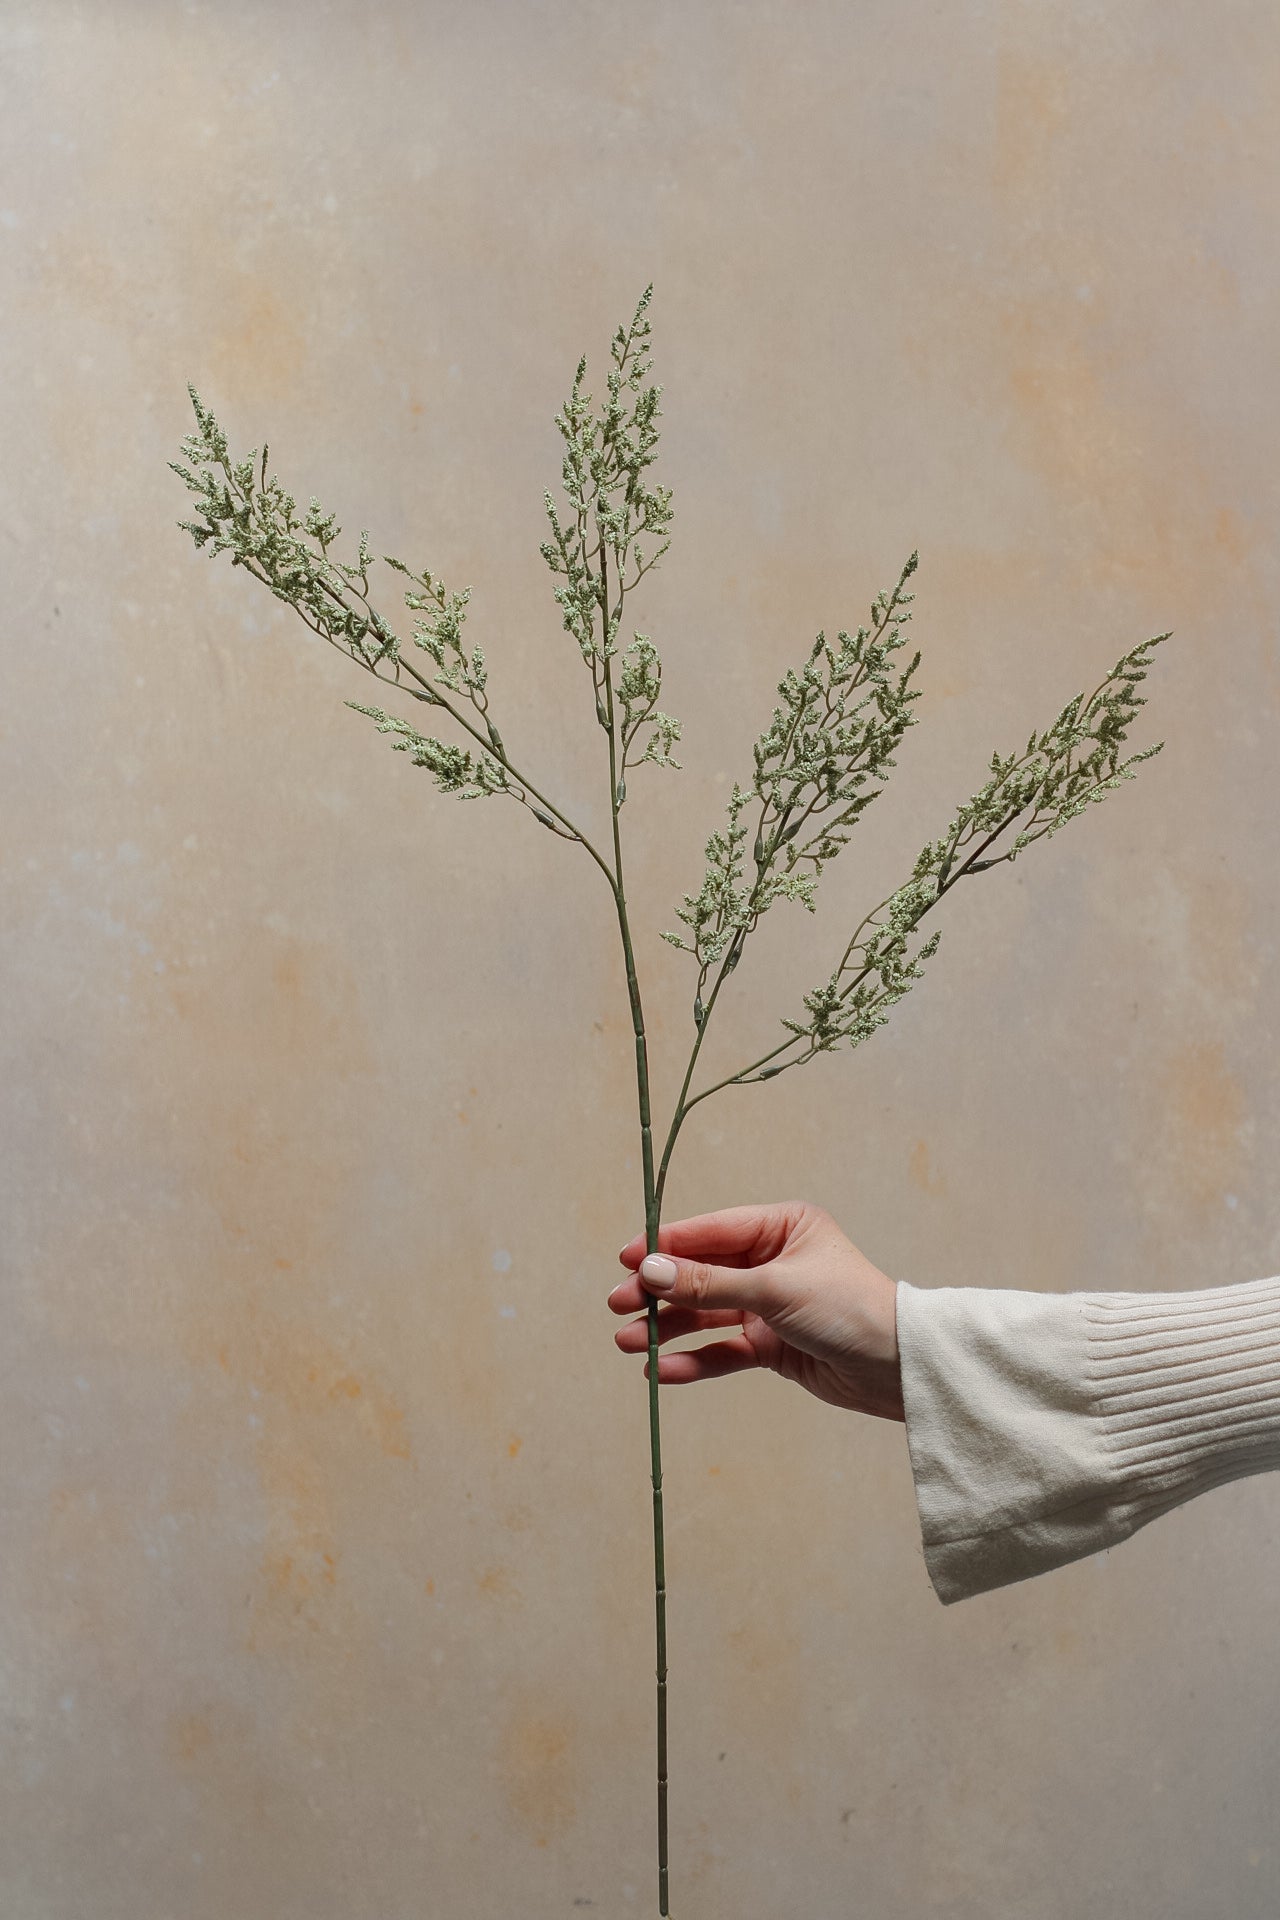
{"x":673,"y":1324}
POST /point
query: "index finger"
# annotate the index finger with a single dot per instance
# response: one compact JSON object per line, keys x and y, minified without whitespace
{"x":734,"y":1237}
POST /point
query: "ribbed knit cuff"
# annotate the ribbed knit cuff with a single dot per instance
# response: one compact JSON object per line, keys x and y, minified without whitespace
{"x":1044,"y":1427}
{"x":1187,"y":1389}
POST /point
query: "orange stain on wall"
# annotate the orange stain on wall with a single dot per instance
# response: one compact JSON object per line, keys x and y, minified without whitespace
{"x":539,"y":1768}
{"x":268,"y":1047}
{"x":299,"y":1370}
{"x":1032,"y":110}
{"x":189,"y":1736}
{"x":1205,"y":1113}
{"x":311,"y":1404}
{"x":918,"y":1170}
{"x":497,"y":1583}
{"x":260,"y":349}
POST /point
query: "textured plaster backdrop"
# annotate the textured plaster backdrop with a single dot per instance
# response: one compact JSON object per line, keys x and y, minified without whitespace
{"x":325,"y":1575}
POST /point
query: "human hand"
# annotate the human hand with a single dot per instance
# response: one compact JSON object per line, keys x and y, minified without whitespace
{"x":802,"y":1300}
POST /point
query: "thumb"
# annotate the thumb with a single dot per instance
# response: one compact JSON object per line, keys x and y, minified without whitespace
{"x":709,"y":1289}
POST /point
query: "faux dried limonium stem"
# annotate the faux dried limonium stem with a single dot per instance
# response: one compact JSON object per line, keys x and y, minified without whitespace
{"x":825,"y":755}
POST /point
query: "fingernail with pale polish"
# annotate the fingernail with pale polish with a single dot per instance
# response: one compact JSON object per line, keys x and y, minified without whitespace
{"x":658,"y":1272}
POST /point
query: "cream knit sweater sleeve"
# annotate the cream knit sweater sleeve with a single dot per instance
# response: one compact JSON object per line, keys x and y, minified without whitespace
{"x":1045,"y":1426}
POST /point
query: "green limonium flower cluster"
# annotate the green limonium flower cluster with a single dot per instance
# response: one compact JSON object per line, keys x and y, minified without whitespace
{"x":824,"y":757}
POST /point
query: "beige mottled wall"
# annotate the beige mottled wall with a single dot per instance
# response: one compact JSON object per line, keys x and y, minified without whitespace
{"x":323,"y":1585}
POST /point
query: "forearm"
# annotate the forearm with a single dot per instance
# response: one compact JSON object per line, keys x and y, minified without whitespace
{"x":1043,"y":1427}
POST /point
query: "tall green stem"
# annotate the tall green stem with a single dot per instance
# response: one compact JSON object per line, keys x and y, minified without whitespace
{"x":652,"y":1212}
